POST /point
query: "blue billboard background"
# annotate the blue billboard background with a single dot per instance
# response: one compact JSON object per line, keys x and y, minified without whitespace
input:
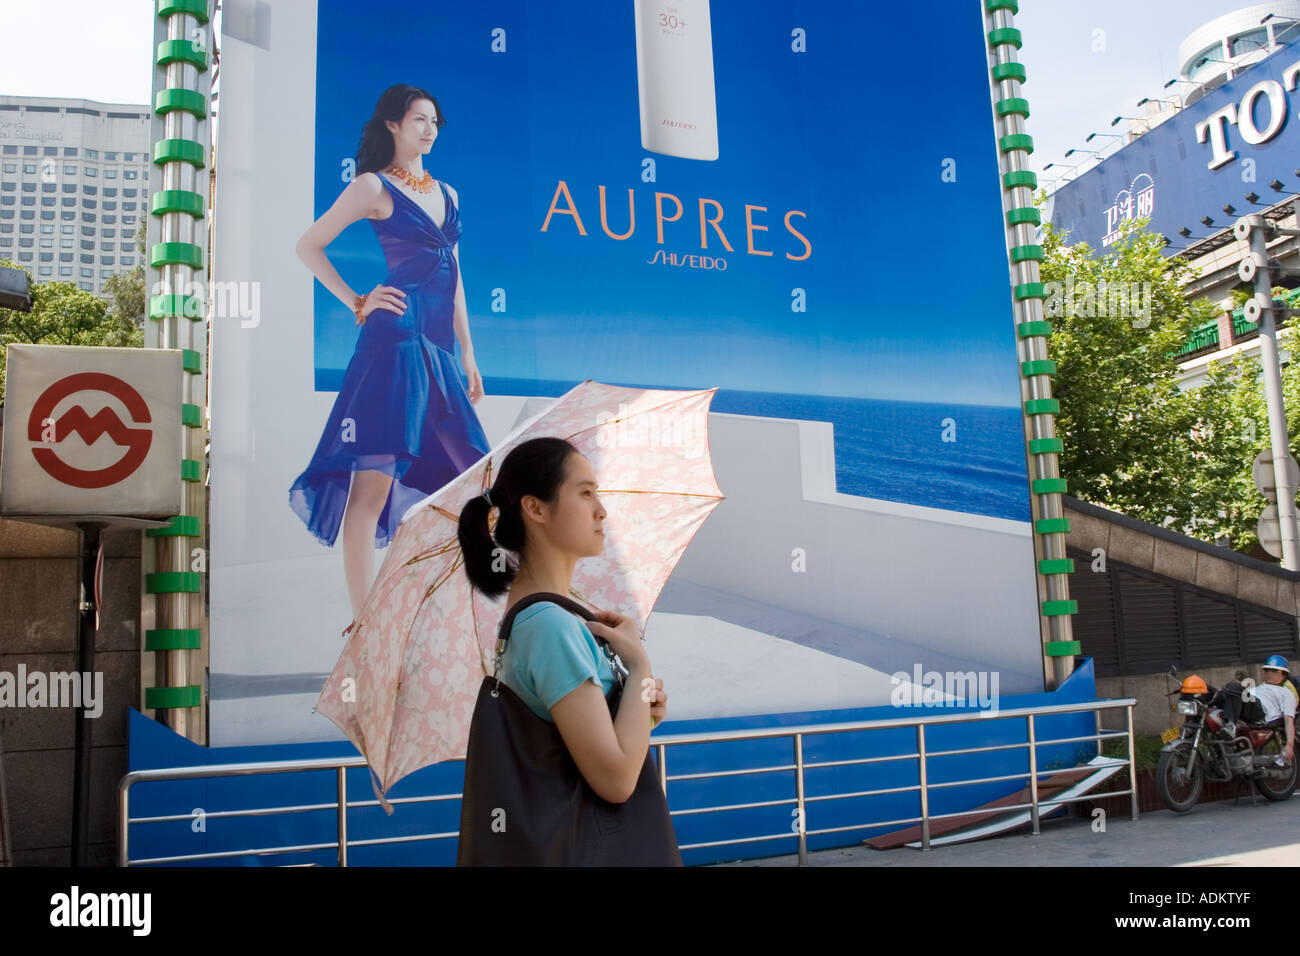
{"x":1167,"y":172}
{"x":907,"y":319}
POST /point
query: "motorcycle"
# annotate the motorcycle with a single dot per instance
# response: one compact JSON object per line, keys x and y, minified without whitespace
{"x":1204,"y":750}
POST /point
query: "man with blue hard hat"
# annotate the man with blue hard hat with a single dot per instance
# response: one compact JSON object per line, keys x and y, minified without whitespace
{"x":1271,"y":702}
{"x":1277,"y":660}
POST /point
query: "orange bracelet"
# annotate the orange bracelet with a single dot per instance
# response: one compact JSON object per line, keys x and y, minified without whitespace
{"x":358,"y":305}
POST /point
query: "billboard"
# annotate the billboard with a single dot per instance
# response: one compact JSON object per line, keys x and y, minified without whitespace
{"x":681,"y":195}
{"x":1234,"y":141}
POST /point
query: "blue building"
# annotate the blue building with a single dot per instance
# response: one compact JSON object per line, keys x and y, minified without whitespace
{"x":1216,"y":143}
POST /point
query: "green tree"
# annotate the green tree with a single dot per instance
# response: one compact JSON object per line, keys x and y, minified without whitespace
{"x":1232,"y":404}
{"x":1134,"y":441}
{"x":1128,"y":431}
{"x":63,"y":314}
{"x":125,"y":291}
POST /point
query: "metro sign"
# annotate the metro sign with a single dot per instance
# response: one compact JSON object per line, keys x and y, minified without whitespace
{"x":92,"y":433}
{"x":45,"y":429}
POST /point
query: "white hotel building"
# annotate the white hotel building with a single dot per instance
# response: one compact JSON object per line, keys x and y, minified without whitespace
{"x":73,"y":187}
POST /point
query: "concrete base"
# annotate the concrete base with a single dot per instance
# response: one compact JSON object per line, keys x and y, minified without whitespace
{"x":1213,"y":834}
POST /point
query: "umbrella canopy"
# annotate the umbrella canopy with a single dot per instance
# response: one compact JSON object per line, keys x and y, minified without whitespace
{"x":404,"y":688}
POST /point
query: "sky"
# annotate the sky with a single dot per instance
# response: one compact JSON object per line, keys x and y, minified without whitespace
{"x":91,"y":49}
{"x":1078,"y":80}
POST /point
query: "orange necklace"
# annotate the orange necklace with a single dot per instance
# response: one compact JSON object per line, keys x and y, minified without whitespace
{"x":422,"y":185}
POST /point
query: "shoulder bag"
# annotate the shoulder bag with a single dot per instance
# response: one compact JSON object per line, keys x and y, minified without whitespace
{"x":526,"y":803}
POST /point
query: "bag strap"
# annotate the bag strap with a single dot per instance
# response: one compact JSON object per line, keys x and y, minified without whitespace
{"x":507,"y":622}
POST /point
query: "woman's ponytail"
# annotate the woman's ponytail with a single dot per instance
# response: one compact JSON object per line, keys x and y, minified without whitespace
{"x":489,"y":568}
{"x":536,"y":467}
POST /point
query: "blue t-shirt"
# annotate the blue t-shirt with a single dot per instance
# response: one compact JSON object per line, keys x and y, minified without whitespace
{"x":550,"y":653}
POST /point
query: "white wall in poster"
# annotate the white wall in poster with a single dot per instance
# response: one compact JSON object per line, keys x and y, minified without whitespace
{"x":897,"y":584}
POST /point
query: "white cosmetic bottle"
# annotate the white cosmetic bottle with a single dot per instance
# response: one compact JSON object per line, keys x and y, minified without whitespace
{"x":674,"y":72}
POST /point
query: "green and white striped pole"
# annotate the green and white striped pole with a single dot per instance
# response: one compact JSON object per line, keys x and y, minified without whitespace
{"x":1032,"y":333}
{"x":177,"y":309}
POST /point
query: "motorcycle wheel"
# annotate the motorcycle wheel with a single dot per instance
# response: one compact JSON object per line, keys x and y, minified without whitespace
{"x":1180,"y":787}
{"x":1271,"y":787}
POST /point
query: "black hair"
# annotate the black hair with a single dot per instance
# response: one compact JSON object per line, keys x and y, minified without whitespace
{"x":375,"y":151}
{"x":536,"y":467}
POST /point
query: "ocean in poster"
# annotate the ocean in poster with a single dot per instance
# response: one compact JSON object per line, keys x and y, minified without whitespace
{"x":890,"y":449}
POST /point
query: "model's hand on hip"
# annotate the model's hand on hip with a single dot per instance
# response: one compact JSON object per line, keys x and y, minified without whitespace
{"x":383,"y":297}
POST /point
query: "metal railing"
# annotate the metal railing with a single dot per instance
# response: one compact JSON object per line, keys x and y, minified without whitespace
{"x":922,"y":755}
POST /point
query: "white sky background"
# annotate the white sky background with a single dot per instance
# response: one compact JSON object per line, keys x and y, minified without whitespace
{"x":101,"y":50}
{"x":87,"y":49}
{"x":1073,"y":91}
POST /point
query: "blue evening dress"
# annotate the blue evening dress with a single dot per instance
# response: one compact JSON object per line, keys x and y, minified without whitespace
{"x":410,"y":415}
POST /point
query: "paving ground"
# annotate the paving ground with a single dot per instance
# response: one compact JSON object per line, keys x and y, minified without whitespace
{"x":1211,"y":834}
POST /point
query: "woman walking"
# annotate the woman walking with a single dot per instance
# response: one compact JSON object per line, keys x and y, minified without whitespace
{"x":551,"y":517}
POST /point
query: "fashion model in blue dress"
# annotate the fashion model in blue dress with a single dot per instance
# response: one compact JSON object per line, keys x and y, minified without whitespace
{"x":402,"y":409}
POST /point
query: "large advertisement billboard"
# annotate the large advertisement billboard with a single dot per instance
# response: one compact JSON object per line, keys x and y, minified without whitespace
{"x":1235,"y":143}
{"x":682,"y":195}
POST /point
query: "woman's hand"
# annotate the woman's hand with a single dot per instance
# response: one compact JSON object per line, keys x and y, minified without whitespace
{"x":475,"y":380}
{"x":652,"y":692}
{"x":383,"y":297}
{"x":621,"y":633}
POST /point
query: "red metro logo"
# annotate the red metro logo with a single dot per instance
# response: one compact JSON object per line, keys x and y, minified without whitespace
{"x":42,"y":428}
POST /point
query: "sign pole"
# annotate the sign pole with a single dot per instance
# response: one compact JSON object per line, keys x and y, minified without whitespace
{"x":1263,"y":302}
{"x":88,"y":555}
{"x":6,"y":844}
